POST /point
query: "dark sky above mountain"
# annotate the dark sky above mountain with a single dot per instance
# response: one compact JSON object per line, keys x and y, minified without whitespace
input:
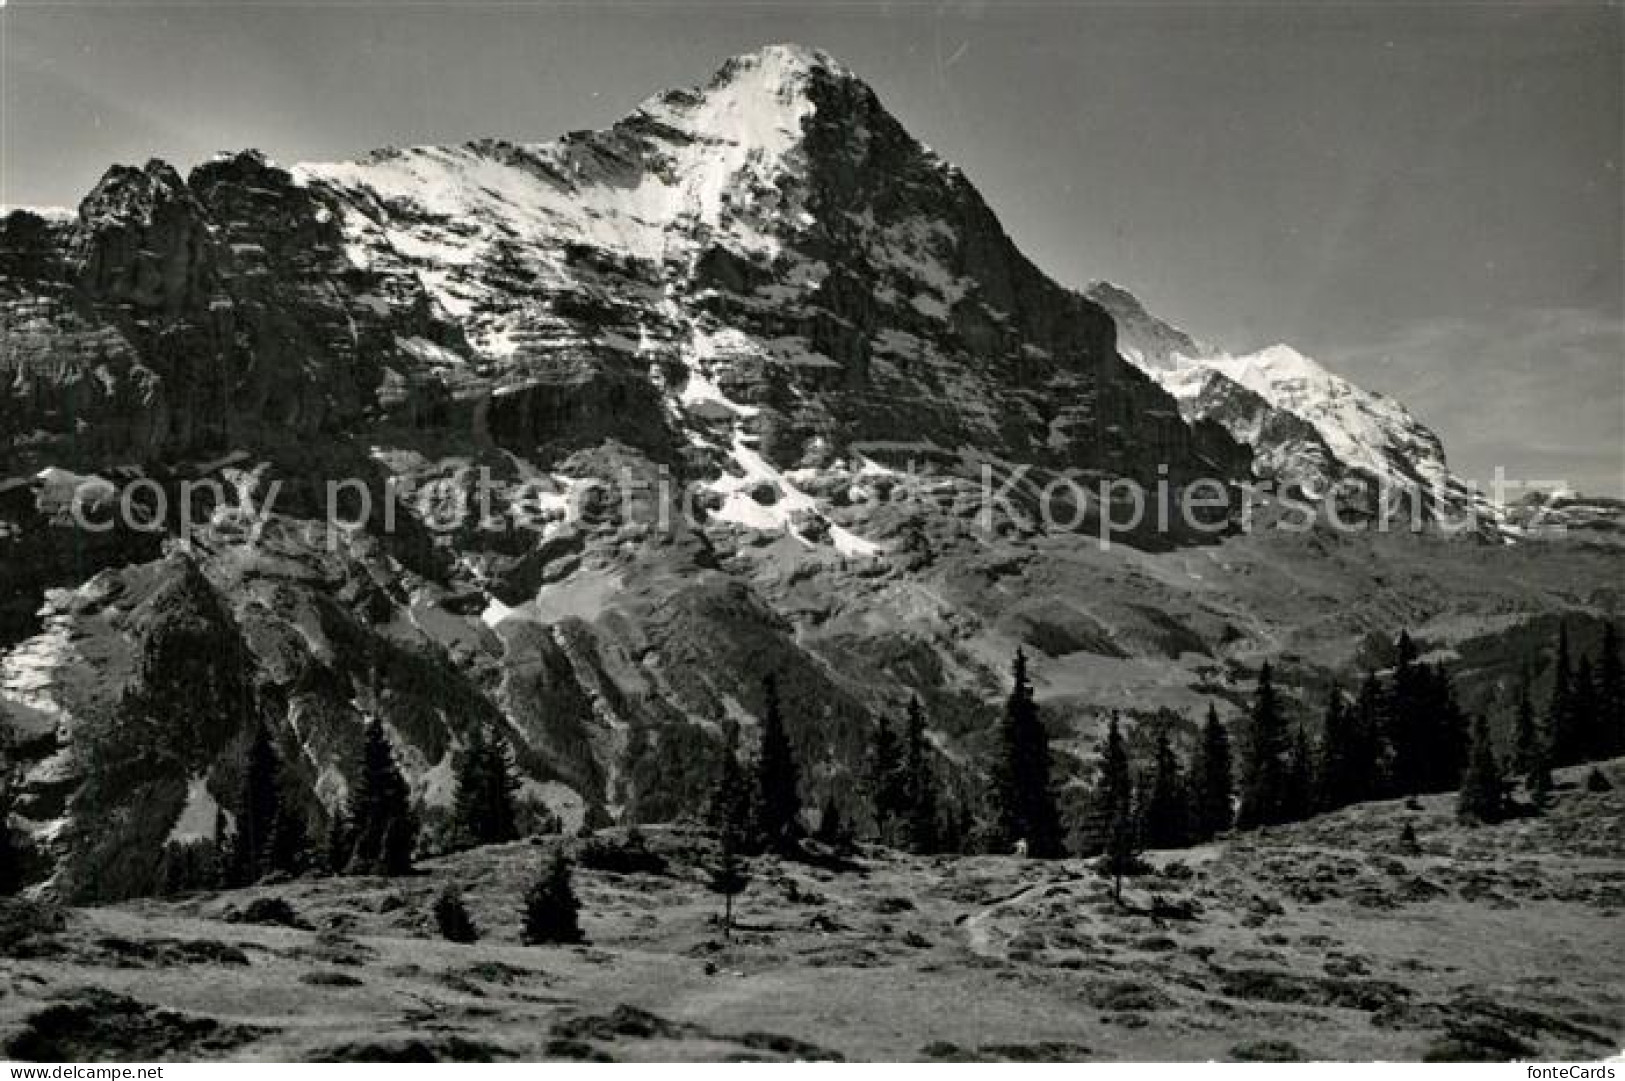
{"x":1426,"y":197}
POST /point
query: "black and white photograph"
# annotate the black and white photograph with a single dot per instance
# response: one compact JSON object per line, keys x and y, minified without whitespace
{"x":1053,"y":531}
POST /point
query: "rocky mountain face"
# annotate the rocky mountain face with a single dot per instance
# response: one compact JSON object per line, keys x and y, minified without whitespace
{"x":1311,"y":431}
{"x":638,"y":416}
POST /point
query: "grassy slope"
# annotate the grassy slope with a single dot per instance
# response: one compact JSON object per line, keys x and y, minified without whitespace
{"x":1319,"y":939}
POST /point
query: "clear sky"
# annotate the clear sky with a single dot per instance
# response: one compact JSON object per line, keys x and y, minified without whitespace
{"x":1426,"y":197}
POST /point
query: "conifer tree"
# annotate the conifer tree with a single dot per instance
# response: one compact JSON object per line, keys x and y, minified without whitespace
{"x":1122,"y":856}
{"x":1022,"y":801}
{"x":729,"y":879}
{"x":1341,"y":772}
{"x":1589,"y":740}
{"x":187,"y":866}
{"x":1113,"y":810}
{"x":382,"y":828}
{"x":1530,"y":754}
{"x":1443,"y":733}
{"x":1483,"y":792}
{"x":1167,"y":822}
{"x":552,"y":915}
{"x":885,"y":781}
{"x":1560,"y":726}
{"x":1112,"y":795}
{"x":482,"y":806}
{"x":339,"y":844}
{"x":502,"y":783}
{"x":258,"y":802}
{"x":290,"y":835}
{"x":451,"y":917}
{"x":1370,"y":722}
{"x":1611,"y":691}
{"x":955,"y":828}
{"x":11,"y":861}
{"x":1405,"y":718}
{"x":1264,"y":760}
{"x":468,"y":793}
{"x":831,"y":826}
{"x":1211,"y":780}
{"x":1526,"y":735}
{"x":778,"y":780}
{"x":730,"y":808}
{"x":400,"y":839}
{"x":920,"y":784}
{"x":1299,"y":796}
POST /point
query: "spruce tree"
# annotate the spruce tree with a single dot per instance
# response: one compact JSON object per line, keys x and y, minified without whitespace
{"x":501,"y":784}
{"x":451,"y":917}
{"x":468,"y":793}
{"x":954,"y":828}
{"x":1299,"y":795}
{"x":885,"y":780}
{"x":1531,"y":757}
{"x":1114,"y":812}
{"x":1560,"y":726}
{"x":832,"y":829}
{"x":1611,"y":691}
{"x":1370,"y":724}
{"x":257,"y":805}
{"x":1526,"y":736}
{"x":400,"y":840}
{"x":339,"y":843}
{"x":1442,"y":736}
{"x":729,"y":879}
{"x":1482,"y":797}
{"x":730,"y":808}
{"x":552,"y":915}
{"x":1167,"y":822}
{"x":382,"y":828}
{"x":1341,"y":772}
{"x":1589,"y":739}
{"x":1113,"y":793}
{"x":290,"y":835}
{"x":1406,"y":720}
{"x":1023,"y":803}
{"x":482,"y":806}
{"x":778,"y":780}
{"x":1264,"y":759}
{"x":1122,"y":856}
{"x":1211,"y":780}
{"x":920,"y":784}
{"x":11,"y":859}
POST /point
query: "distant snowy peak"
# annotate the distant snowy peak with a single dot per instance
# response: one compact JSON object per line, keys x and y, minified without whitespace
{"x":1153,"y":344}
{"x":1343,"y":429}
{"x":1366,"y":430}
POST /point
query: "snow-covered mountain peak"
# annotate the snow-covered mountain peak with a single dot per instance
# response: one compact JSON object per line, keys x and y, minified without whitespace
{"x":782,"y":63}
{"x":1351,"y":431}
{"x":720,"y":164}
{"x":1145,"y":339}
{"x":1280,"y":371}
